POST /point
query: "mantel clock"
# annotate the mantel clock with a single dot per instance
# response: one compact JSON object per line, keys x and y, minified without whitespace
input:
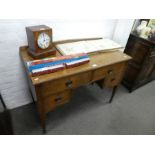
{"x":40,"y":41}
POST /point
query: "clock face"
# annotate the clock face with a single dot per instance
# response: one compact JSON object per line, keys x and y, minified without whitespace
{"x":43,"y":40}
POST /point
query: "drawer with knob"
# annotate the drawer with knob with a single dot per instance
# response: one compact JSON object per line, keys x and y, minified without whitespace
{"x":111,"y":76}
{"x":113,"y":79}
{"x":66,"y":83}
{"x":114,"y":75}
{"x":54,"y":100}
{"x":109,"y":71}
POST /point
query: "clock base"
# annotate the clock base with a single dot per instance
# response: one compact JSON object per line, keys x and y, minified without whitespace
{"x":42,"y":54}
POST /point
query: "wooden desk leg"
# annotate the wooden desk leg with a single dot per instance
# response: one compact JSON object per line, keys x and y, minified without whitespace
{"x":42,"y":115}
{"x":43,"y":122}
{"x":113,"y":93}
{"x":40,"y":106}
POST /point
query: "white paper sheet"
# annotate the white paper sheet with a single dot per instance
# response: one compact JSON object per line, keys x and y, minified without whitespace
{"x":87,"y":46}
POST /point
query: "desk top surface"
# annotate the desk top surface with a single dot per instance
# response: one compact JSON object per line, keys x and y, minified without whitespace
{"x":97,"y":60}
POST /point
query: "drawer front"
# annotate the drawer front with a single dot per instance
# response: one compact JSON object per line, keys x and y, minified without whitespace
{"x":99,"y":73}
{"x":113,"y":79}
{"x":109,"y":71}
{"x":52,"y":101}
{"x":66,"y":83}
{"x":114,"y":75}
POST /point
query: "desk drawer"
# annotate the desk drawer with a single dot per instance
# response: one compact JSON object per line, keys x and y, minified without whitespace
{"x":99,"y":73}
{"x":110,"y":76}
{"x":52,"y":101}
{"x":66,"y":83}
{"x":102,"y":73}
{"x":114,"y":75}
{"x":113,"y":79}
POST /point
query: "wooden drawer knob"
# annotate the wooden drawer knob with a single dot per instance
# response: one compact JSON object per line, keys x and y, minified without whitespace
{"x":69,"y":83}
{"x":113,"y":79}
{"x":58,"y":99}
{"x":110,"y":72}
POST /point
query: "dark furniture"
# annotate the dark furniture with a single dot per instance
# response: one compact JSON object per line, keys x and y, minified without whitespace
{"x":141,"y":68}
{"x":5,"y":119}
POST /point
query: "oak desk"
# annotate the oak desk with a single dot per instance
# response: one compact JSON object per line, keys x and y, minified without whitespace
{"x":55,"y":89}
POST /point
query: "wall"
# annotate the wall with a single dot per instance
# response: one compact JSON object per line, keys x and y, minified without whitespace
{"x":122,"y":30}
{"x":13,"y":84}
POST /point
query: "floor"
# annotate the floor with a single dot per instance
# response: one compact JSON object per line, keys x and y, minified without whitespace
{"x":88,"y":113}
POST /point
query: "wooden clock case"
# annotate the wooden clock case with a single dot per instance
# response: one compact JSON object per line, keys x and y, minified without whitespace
{"x":32,"y":36}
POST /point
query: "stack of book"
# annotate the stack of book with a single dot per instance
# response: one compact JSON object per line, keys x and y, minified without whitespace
{"x":45,"y":66}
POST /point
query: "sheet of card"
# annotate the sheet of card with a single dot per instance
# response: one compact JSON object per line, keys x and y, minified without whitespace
{"x":87,"y":46}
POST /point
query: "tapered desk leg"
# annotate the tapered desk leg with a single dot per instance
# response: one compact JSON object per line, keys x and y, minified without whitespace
{"x":40,"y":107}
{"x":42,"y":116}
{"x":43,"y":123}
{"x":113,"y":93}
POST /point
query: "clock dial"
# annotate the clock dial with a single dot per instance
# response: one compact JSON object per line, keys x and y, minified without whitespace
{"x":43,"y":40}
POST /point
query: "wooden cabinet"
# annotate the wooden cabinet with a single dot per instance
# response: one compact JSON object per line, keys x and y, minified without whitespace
{"x":141,"y":68}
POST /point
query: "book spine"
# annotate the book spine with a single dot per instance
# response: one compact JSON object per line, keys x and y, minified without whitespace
{"x":45,"y":66}
{"x":77,"y":63}
{"x":43,"y":61}
{"x":47,"y":70}
{"x":39,"y":66}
